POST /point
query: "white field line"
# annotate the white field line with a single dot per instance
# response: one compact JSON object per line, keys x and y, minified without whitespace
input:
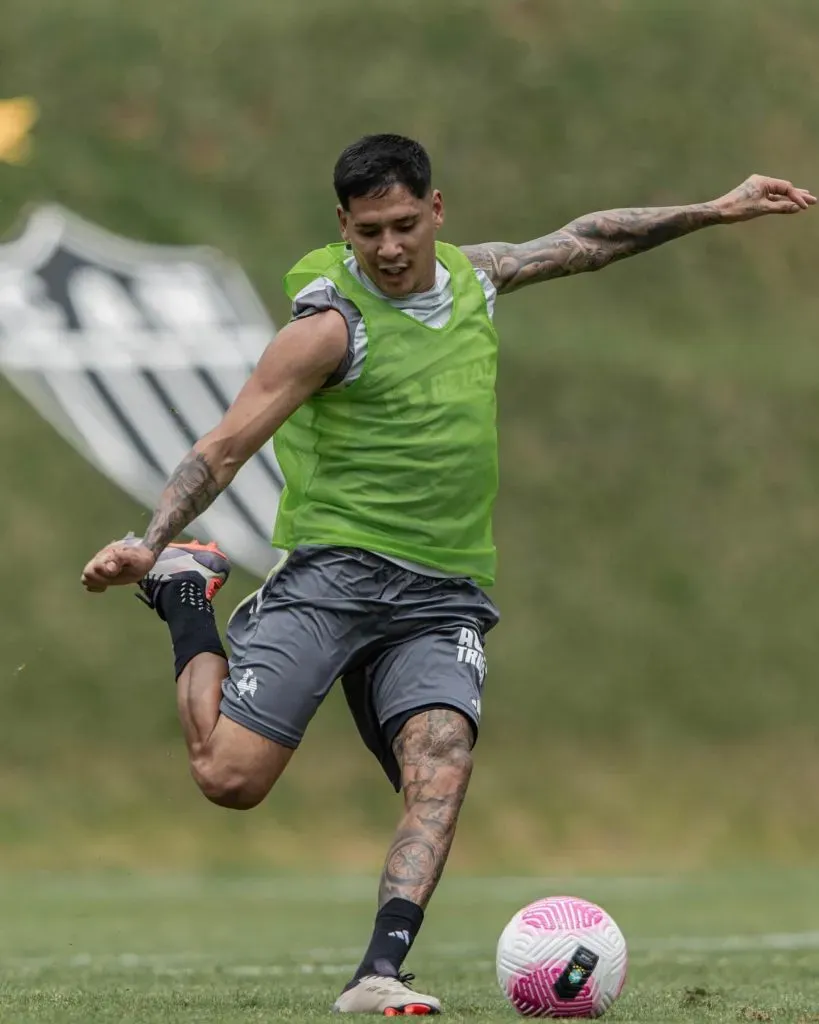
{"x":772,"y":942}
{"x":339,"y":962}
{"x":324,"y":888}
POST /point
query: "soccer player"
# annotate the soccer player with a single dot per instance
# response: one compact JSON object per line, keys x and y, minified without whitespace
{"x":380,"y":397}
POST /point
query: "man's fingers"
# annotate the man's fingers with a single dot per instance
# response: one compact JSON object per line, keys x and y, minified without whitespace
{"x":776,"y":190}
{"x":794,"y":195}
{"x":118,"y":564}
{"x":104,"y":567}
{"x":780,"y":196}
{"x":99,"y":570}
{"x":107,"y":565}
{"x":782,"y":205}
{"x":92,"y":581}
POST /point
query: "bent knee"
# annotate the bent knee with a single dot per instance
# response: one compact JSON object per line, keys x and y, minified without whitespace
{"x":226,"y":786}
{"x":236,"y":767}
{"x":444,"y":736}
{"x":448,"y":763}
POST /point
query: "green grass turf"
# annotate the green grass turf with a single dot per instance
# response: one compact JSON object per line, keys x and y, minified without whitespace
{"x":129,"y":949}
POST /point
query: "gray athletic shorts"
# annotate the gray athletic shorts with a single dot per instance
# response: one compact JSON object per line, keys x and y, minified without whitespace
{"x":400,"y":642}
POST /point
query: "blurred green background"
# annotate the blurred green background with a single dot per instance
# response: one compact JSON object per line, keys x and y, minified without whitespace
{"x":652,"y":699}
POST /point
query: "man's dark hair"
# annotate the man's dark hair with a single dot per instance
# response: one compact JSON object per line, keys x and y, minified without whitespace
{"x":371,"y":166}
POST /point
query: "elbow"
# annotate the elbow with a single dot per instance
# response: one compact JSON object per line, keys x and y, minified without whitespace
{"x":587,"y":249}
{"x":222,"y":455}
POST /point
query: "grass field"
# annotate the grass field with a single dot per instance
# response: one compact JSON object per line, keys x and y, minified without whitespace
{"x":89,"y":949}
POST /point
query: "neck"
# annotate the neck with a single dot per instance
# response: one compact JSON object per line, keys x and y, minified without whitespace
{"x":427,"y":282}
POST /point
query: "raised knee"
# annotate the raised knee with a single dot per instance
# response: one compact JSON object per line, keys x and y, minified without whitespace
{"x":227,"y":786}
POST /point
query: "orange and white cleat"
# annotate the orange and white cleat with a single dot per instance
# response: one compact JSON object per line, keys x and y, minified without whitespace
{"x":201,"y":564}
{"x":386,"y":995}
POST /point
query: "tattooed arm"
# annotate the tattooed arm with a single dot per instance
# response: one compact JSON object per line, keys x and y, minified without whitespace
{"x":190,"y":490}
{"x":295,"y":365}
{"x":597,"y":239}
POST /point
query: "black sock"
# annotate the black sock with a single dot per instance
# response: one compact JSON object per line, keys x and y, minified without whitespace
{"x":396,"y":925}
{"x":189,"y":614}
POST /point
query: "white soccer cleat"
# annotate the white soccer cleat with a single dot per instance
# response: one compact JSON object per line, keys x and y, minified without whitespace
{"x":386,"y":995}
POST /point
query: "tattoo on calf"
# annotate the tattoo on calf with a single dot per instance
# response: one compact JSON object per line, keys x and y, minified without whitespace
{"x":413,"y":864}
{"x":433,"y":750}
{"x":190,"y":490}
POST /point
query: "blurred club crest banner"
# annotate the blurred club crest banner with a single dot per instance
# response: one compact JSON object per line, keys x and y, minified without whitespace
{"x":134,"y":351}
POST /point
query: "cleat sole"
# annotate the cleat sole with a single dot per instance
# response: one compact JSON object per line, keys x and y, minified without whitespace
{"x":410,"y":1010}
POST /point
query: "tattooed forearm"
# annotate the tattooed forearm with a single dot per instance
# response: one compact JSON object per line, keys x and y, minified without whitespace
{"x":190,"y":490}
{"x":589,"y":243}
{"x":433,"y":750}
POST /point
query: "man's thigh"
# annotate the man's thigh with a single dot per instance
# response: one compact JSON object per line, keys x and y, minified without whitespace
{"x":444,"y":669}
{"x":291,"y":642}
{"x":440,"y":665}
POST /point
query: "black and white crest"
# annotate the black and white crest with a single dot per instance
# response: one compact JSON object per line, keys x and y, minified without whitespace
{"x":132,"y":352}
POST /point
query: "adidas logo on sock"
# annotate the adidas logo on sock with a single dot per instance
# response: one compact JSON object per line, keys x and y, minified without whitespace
{"x":403,"y":935}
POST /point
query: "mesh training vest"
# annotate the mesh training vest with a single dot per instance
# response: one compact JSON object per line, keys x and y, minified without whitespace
{"x":404,"y":460}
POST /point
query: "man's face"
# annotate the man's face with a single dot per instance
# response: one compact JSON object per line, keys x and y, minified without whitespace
{"x":393,"y":238}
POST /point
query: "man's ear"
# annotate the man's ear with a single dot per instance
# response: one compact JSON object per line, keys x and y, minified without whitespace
{"x":343,"y":219}
{"x":437,"y":209}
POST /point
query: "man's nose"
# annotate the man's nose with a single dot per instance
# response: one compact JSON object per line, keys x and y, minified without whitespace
{"x":390,"y":248}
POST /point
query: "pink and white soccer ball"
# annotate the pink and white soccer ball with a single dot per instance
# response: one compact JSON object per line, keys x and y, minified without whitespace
{"x":562,"y":957}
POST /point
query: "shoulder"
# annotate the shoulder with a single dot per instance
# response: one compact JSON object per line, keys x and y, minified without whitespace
{"x":320,"y":296}
{"x":317,"y":295}
{"x":324,"y":329}
{"x":334,"y":324}
{"x":485,"y":271}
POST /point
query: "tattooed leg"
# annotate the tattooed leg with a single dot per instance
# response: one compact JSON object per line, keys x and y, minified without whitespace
{"x":434,"y":753}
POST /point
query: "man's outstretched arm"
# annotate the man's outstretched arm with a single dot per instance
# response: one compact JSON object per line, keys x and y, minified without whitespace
{"x":597,"y":239}
{"x":294,"y":366}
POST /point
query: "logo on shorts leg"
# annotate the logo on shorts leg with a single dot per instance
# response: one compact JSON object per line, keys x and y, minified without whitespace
{"x":470,"y":651}
{"x":248,"y":684}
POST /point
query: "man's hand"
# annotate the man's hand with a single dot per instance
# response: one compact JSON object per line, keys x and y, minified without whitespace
{"x":119,"y":563}
{"x":759,"y":196}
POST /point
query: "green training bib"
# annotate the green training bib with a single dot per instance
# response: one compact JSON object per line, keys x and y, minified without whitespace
{"x":403,"y":461}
